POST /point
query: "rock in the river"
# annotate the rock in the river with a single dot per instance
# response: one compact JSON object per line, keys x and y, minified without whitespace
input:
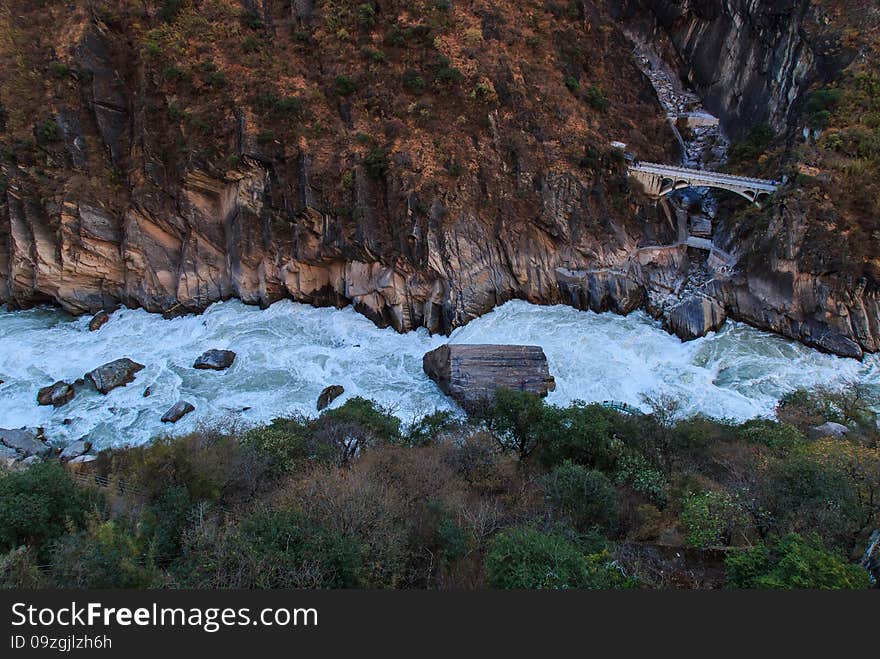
{"x":695,"y":317}
{"x":179,"y":410}
{"x":98,"y":320}
{"x":471,"y":373}
{"x":216,"y":360}
{"x":829,"y":429}
{"x":330,"y":394}
{"x":24,"y":441}
{"x":75,"y":450}
{"x":114,"y":374}
{"x":57,"y":394}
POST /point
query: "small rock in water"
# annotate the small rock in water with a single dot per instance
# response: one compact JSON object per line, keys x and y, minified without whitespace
{"x":215,"y":360}
{"x":148,"y":392}
{"x":24,"y":441}
{"x":67,"y":422}
{"x":75,"y":450}
{"x":98,"y":320}
{"x":117,"y":373}
{"x":179,"y":410}
{"x":330,"y":394}
{"x":57,"y":394}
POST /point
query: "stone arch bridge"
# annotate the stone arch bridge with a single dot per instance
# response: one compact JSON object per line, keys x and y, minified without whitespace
{"x":660,"y":180}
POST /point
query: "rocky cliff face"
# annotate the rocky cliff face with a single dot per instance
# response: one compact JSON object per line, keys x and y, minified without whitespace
{"x":752,"y":61}
{"x":468,"y":185}
{"x":422,"y":161}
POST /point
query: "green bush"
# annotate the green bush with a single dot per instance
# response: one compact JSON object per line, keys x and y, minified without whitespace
{"x":40,"y":504}
{"x":368,"y":415}
{"x":163,"y":522}
{"x":595,"y":98}
{"x":709,"y":518}
{"x":376,"y":162}
{"x":805,"y":495}
{"x":105,"y":556}
{"x":210,"y":464}
{"x":429,"y":428}
{"x":820,"y":106}
{"x":572,"y":84}
{"x":413,"y":82}
{"x":516,"y":419}
{"x":523,"y":558}
{"x":445,"y":73}
{"x":284,"y":444}
{"x":271,"y":549}
{"x":170,"y":9}
{"x":634,"y":470}
{"x":344,"y":86}
{"x":793,"y":562}
{"x":18,"y":569}
{"x":48,"y":131}
{"x":587,"y":499}
{"x":759,"y":139}
{"x":773,"y":434}
{"x":584,"y":434}
{"x":366,"y":14}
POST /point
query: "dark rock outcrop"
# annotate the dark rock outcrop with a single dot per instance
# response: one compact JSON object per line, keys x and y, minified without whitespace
{"x":471,"y":373}
{"x":117,"y":373}
{"x":330,"y":394}
{"x":215,"y":360}
{"x":24,"y":442}
{"x":74,"y":450}
{"x":57,"y":394}
{"x":695,"y":317}
{"x":177,"y":411}
{"x":751,"y":61}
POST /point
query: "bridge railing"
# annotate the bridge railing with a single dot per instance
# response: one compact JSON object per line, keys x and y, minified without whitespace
{"x":656,"y":168}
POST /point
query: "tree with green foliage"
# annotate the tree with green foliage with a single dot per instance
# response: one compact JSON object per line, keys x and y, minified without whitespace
{"x":269,"y":549}
{"x":524,"y":558}
{"x":793,"y":562}
{"x":584,"y":497}
{"x":515,"y":419}
{"x":106,"y":555}
{"x":40,"y":504}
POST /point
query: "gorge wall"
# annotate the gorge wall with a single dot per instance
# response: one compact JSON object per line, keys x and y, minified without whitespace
{"x":424,"y":162}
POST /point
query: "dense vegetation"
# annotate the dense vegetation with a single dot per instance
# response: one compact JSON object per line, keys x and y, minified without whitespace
{"x":522,"y":495}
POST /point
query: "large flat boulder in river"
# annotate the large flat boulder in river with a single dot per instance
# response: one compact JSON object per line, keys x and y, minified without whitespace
{"x":117,"y":373}
{"x":215,"y":360}
{"x":471,"y":373}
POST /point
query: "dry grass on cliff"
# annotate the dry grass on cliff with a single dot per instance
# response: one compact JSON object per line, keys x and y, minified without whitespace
{"x":462,"y":90}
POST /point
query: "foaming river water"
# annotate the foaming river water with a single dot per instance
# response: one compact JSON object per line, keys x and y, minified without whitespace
{"x":289,"y":352}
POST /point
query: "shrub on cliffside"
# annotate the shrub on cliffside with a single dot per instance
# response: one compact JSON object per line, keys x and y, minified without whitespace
{"x":793,"y":562}
{"x":40,"y":505}
{"x":523,"y":558}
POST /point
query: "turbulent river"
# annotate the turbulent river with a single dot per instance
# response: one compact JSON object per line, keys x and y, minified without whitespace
{"x":288,"y":353}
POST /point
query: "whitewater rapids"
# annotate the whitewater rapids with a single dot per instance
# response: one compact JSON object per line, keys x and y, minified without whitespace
{"x":289,"y":352}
